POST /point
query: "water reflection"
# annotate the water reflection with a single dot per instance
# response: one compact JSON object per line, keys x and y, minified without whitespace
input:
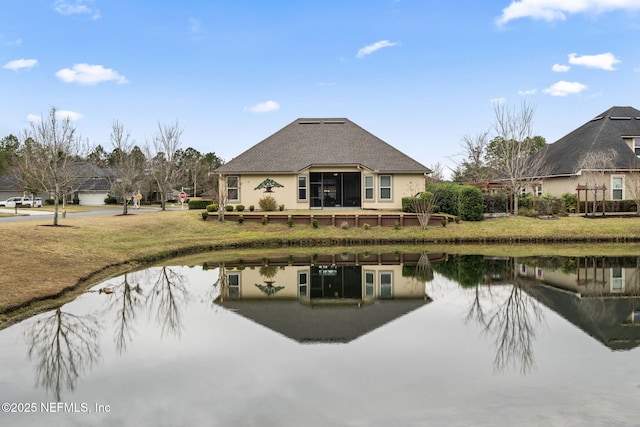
{"x":326,"y":298}
{"x":63,"y":345}
{"x":341,"y":298}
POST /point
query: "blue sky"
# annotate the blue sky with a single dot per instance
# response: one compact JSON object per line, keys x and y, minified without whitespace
{"x":420,"y":74}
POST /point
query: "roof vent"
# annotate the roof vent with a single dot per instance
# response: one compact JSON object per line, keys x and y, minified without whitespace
{"x":333,"y":122}
{"x":619,"y":118}
{"x":314,"y":122}
{"x":596,"y":118}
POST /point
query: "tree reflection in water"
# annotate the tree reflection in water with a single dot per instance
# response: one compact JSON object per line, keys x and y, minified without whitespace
{"x":167,"y":297}
{"x":126,"y":299}
{"x":513,"y":323}
{"x":63,"y":345}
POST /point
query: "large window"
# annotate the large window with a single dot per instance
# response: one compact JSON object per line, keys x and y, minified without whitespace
{"x":385,"y":187}
{"x":368,"y":187}
{"x":636,"y":146}
{"x":233,"y":188}
{"x":617,"y":188}
{"x":302,"y":187}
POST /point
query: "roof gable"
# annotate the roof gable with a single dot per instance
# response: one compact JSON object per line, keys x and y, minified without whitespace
{"x":604,"y":132}
{"x":307,"y":142}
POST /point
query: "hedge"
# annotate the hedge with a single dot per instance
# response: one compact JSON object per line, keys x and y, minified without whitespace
{"x":198,"y":204}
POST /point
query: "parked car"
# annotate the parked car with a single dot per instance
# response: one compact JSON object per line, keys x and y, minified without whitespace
{"x":34,"y":203}
{"x":12,"y":202}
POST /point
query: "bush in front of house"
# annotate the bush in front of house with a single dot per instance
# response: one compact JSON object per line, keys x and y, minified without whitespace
{"x":213,"y":207}
{"x":110,"y":200}
{"x":470,"y":203}
{"x":268,"y":203}
{"x":240,"y":208}
{"x":465,"y":201}
{"x":228,"y":208}
{"x":569,"y":202}
{"x":198,"y":204}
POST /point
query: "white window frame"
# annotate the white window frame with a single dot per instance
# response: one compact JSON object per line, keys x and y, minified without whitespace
{"x":369,"y":188}
{"x":617,"y":279}
{"x":304,"y":187}
{"x":385,"y":291}
{"x":636,"y":146}
{"x":385,"y":187}
{"x":539,"y":189}
{"x":236,"y":187}
{"x":369,"y":278}
{"x":303,"y":283}
{"x":229,"y":287}
{"x":614,"y":178}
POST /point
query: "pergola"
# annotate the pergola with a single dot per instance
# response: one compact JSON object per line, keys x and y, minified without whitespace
{"x":595,"y":188}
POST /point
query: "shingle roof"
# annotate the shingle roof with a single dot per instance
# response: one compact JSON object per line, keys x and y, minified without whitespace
{"x":307,"y":142}
{"x":602,"y":133}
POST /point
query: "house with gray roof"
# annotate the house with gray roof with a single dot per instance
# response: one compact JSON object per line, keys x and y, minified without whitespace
{"x":602,"y":153}
{"x":322,"y":163}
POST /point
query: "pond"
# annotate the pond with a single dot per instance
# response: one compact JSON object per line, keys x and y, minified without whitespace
{"x":362,"y":339}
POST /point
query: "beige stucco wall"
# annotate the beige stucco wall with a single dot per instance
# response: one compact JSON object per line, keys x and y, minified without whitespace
{"x":402,"y":185}
{"x":561,"y":185}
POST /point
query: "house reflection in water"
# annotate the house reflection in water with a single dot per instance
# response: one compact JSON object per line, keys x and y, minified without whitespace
{"x":327,"y":298}
{"x":600,"y":295}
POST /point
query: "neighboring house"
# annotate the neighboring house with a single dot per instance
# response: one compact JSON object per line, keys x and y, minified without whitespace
{"x":599,"y":295}
{"x":91,"y":186}
{"x":322,"y":163}
{"x":602,"y":153}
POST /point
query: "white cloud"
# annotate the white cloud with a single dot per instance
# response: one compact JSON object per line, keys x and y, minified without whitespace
{"x":367,"y":50}
{"x":77,"y":7}
{"x":563,"y":88}
{"x":19,"y":64}
{"x":66,"y":114}
{"x":604,"y":61}
{"x":499,"y":101}
{"x":16,"y":42}
{"x":558,"y":68}
{"x":527,"y":92}
{"x":86,"y":74}
{"x":60,"y":115}
{"x":264,"y":107}
{"x":552,"y":10}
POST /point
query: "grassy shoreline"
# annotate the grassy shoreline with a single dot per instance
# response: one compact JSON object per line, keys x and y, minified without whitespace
{"x":44,"y":266}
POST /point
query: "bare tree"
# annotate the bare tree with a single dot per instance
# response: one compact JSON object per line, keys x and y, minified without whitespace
{"x":46,"y":162}
{"x":437,"y":173}
{"x":162,"y":158}
{"x":423,"y":205}
{"x":474,"y":168}
{"x":517,"y":154}
{"x":128,"y":166}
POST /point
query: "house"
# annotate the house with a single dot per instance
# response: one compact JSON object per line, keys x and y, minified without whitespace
{"x":601,"y":156}
{"x":322,"y":163}
{"x":90,"y":186}
{"x":323,"y":298}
